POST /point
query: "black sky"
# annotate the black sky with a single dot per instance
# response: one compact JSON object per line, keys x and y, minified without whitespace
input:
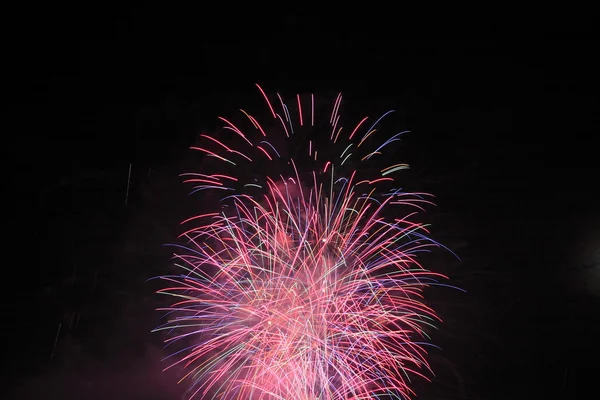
{"x":505,"y":115}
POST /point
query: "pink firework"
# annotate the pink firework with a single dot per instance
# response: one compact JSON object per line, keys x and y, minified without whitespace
{"x":304,"y":282}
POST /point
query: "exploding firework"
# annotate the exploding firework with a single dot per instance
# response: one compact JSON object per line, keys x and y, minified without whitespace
{"x":303,"y":283}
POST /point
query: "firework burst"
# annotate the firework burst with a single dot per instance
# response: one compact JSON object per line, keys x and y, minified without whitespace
{"x":304,"y":282}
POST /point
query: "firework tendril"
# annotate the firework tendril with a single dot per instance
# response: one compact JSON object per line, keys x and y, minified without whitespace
{"x":304,"y":282}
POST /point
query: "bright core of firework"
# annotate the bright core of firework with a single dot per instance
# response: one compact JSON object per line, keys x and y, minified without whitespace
{"x":301,"y":291}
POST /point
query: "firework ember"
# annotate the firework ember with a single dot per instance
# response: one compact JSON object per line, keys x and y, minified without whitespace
{"x":303,"y":281}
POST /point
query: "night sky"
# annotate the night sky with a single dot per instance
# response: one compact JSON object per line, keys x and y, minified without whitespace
{"x":504,"y":122}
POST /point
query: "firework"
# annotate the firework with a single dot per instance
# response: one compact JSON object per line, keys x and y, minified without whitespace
{"x":303,"y":283}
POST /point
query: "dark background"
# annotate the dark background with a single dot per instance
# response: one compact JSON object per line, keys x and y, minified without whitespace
{"x":505,"y":119}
